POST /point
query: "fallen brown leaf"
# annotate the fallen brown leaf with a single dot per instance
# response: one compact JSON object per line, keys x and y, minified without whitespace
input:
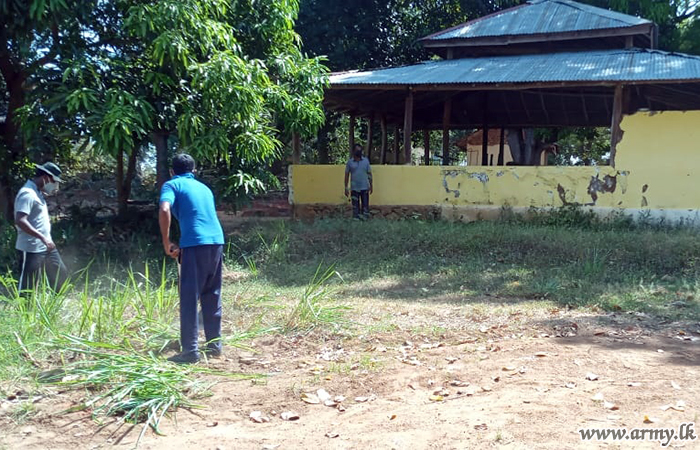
{"x":311,"y":399}
{"x":289,"y":415}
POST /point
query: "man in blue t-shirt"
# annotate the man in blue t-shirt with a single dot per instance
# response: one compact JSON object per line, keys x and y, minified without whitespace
{"x":200,"y":253}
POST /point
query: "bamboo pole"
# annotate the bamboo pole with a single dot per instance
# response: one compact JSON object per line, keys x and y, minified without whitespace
{"x":408,"y":127}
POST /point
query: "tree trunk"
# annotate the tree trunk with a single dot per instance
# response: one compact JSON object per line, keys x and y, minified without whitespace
{"x":7,"y":200}
{"x":124,"y":180}
{"x":121,"y":198}
{"x":14,"y":81}
{"x":160,"y":140}
{"x":323,"y":141}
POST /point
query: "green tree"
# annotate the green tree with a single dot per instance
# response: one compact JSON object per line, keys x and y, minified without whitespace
{"x":671,"y":16}
{"x":34,"y":37}
{"x":228,"y":78}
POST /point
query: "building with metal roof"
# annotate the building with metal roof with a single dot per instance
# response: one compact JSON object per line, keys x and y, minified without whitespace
{"x":544,"y":64}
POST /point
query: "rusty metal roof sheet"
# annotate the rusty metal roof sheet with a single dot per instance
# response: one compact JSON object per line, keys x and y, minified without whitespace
{"x":632,"y":65}
{"x":540,"y":17}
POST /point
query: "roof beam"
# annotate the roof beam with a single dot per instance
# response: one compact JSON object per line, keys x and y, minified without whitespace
{"x":585,"y":110}
{"x":544,"y":107}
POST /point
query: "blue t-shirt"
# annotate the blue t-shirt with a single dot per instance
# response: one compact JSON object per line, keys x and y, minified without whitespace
{"x":192,"y":204}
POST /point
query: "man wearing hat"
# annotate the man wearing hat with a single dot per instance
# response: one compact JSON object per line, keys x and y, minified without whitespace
{"x":37,"y":251}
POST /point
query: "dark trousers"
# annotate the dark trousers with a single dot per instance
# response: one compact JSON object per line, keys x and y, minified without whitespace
{"x":200,"y":281}
{"x":360,"y":203}
{"x":32,"y":266}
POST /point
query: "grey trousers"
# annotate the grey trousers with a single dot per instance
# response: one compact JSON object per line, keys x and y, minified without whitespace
{"x":32,"y":266}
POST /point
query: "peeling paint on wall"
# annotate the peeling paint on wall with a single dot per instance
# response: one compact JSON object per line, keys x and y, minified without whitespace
{"x":607,"y":184}
{"x":562,"y":194}
{"x":484,"y":178}
{"x":445,"y":182}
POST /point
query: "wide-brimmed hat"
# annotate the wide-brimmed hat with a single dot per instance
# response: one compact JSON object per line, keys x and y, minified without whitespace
{"x":51,"y":169}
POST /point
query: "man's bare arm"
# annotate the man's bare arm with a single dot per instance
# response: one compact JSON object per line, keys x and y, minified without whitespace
{"x":164,"y":220}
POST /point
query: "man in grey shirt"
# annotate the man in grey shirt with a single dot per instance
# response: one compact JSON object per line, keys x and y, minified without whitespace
{"x":37,"y":251}
{"x":359,"y":170}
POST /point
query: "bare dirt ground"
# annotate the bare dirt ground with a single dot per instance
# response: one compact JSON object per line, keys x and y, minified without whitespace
{"x":429,"y":377}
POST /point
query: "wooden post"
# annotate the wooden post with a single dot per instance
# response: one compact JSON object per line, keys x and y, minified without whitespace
{"x":370,"y":130}
{"x":408,"y":127}
{"x":485,"y":134}
{"x":426,"y":146}
{"x":501,"y":147}
{"x":485,"y":145}
{"x":615,"y":131}
{"x":296,"y":149}
{"x":395,"y":146}
{"x":446,"y":118}
{"x":382,"y":124}
{"x":351,"y":134}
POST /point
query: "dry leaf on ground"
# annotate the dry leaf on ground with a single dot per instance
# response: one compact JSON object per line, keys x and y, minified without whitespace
{"x":257,"y":417}
{"x":289,"y":415}
{"x":310,"y":398}
{"x":323,"y":395}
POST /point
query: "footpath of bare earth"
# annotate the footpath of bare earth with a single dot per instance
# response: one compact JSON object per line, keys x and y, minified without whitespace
{"x":434,"y":376}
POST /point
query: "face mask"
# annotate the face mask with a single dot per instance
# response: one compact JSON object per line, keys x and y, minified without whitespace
{"x":50,"y":188}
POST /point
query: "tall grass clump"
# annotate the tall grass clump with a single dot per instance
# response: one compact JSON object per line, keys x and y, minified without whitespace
{"x":313,"y":309}
{"x":136,"y":316}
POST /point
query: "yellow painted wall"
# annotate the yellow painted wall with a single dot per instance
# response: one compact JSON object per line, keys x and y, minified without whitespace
{"x":657,"y":167}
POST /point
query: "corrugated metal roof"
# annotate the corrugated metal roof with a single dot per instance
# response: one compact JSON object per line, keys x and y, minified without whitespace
{"x":540,"y":17}
{"x":602,"y":65}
